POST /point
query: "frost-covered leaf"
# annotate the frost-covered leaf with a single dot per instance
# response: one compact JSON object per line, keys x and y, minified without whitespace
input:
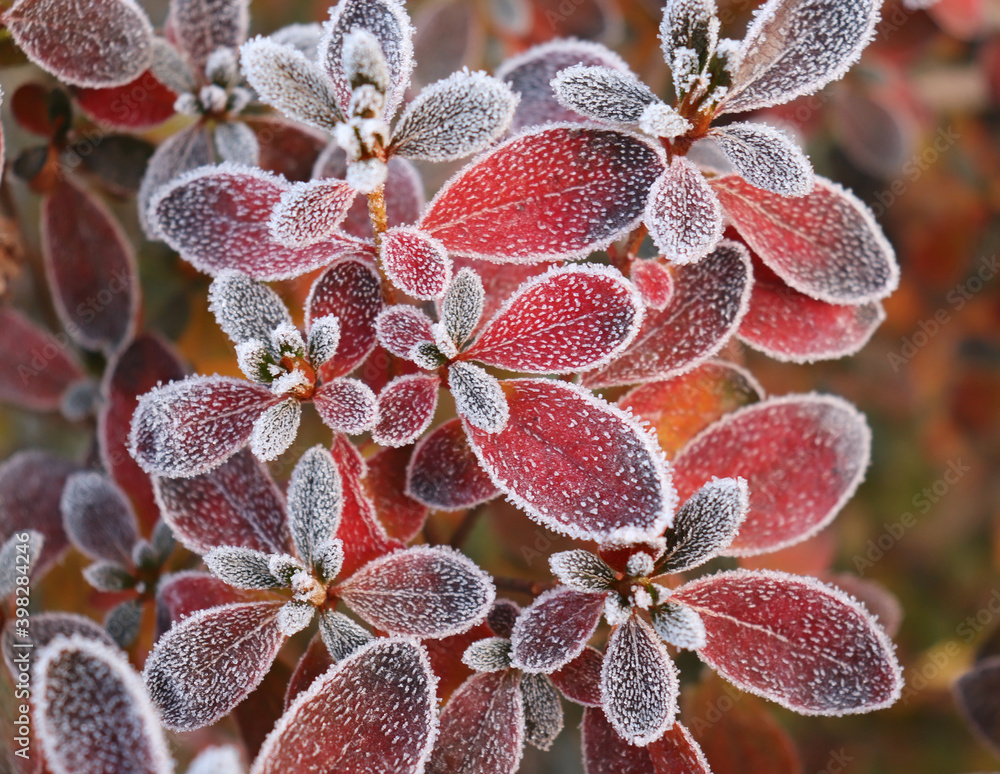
{"x":405,"y":409}
{"x":803,"y":457}
{"x":482,"y":727}
{"x":209,"y":662}
{"x":98,"y":518}
{"x":287,"y":81}
{"x":654,"y":282}
{"x":294,"y":617}
{"x":98,"y":44}
{"x":683,"y":214}
{"x":324,"y":338}
{"x":415,"y":263}
{"x":479,"y":397}
{"x":218,"y":218}
{"x":710,"y":299}
{"x":236,"y":142}
{"x":19,"y":556}
{"x":242,"y":568}
{"x":804,"y":645}
{"x":117,"y":106}
{"x":792,"y":327}
{"x":605,"y":752}
{"x":567,"y":320}
{"x":555,"y":628}
{"x":692,"y":25}
{"x":766,"y":158}
{"x":580,"y":679}
{"x":106,"y":576}
{"x":236,"y":504}
{"x":489,"y":655}
{"x":183,"y":152}
{"x":201,"y":27}
{"x":346,"y":406}
{"x":350,"y":289}
{"x":543,"y":714}
{"x":180,"y":594}
{"x":676,"y":752}
{"x":376,"y":708}
{"x":796,"y":47}
{"x":92,"y":714}
{"x":401,"y":515}
{"x":341,"y":635}
{"x":246,"y":309}
{"x":530,"y":75}
{"x":310,"y":212}
{"x":217,"y":760}
{"x":576,"y":464}
{"x":426,"y":592}
{"x":444,"y":473}
{"x":826,"y":245}
{"x":189,"y":427}
{"x":706,"y":524}
{"x":976,"y":695}
{"x":454,"y":118}
{"x":639,"y":687}
{"x":602,"y":93}
{"x":389,"y":24}
{"x":275,"y":430}
{"x":511,"y":206}
{"x":401,"y":327}
{"x":90,"y":266}
{"x":583,"y":571}
{"x":462,"y":306}
{"x":22,"y":381}
{"x":678,"y":625}
{"x":315,"y":499}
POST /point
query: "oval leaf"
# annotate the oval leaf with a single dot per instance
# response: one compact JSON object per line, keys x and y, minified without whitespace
{"x":405,"y":409}
{"x":554,"y":629}
{"x":683,"y":214}
{"x":37,"y":367}
{"x":444,"y":473}
{"x":416,"y":263}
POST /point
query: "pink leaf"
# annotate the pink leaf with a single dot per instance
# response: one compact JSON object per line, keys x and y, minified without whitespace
{"x":509,"y":207}
{"x":567,"y":320}
{"x":683,"y":213}
{"x":182,"y":594}
{"x":375,"y":708}
{"x":580,"y":679}
{"x":444,"y":473}
{"x":422,"y":591}
{"x":308,"y":213}
{"x":37,"y":368}
{"x":211,"y":661}
{"x":199,"y":27}
{"x":217,"y":218}
{"x":98,"y":44}
{"x":401,"y":515}
{"x":400,"y":328}
{"x":351,"y":290}
{"x":236,"y":504}
{"x":139,"y":104}
{"x":405,"y":409}
{"x":190,"y":427}
{"x":802,"y":456}
{"x":98,"y":519}
{"x":90,"y":267}
{"x":710,"y":299}
{"x":183,"y":152}
{"x":575,"y":464}
{"x":416,"y":263}
{"x":555,"y":628}
{"x":654,"y":282}
{"x":804,"y":645}
{"x":346,"y":406}
{"x":605,"y":752}
{"x":92,"y":712}
{"x":146,"y":362}
{"x":482,"y":727}
{"x":826,"y":245}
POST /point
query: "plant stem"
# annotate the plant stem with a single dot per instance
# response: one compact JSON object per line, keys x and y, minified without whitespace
{"x":464,"y":529}
{"x":522,"y":585}
{"x":380,"y":224}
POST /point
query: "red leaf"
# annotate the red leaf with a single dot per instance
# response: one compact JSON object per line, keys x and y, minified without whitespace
{"x":405,"y":409}
{"x":364,"y":537}
{"x":976,"y":695}
{"x":676,"y":752}
{"x":680,"y":408}
{"x":446,"y":658}
{"x":422,"y":591}
{"x":683,"y":213}
{"x":309,"y":212}
{"x":444,"y":473}
{"x":92,"y":712}
{"x":710,"y":298}
{"x":146,"y":362}
{"x":804,"y":645}
{"x":98,"y":44}
{"x":199,"y":27}
{"x":826,"y":244}
{"x":314,"y":662}
{"x":217,"y":218}
{"x":654,"y":282}
{"x":401,"y":327}
{"x":183,"y":593}
{"x":604,"y":752}
{"x":482,"y":727}
{"x":580,"y":679}
{"x":90,"y":267}
{"x":376,"y":707}
{"x":401,"y":515}
{"x":351,"y":290}
{"x":346,"y":406}
{"x":139,"y":104}
{"x":190,"y":427}
{"x":568,"y":320}
{"x":37,"y":367}
{"x":510,"y":206}
{"x":577,"y":465}
{"x":802,"y":456}
{"x":416,"y":263}
{"x":236,"y":504}
{"x":555,"y":628}
{"x":286,"y":148}
{"x":211,"y":661}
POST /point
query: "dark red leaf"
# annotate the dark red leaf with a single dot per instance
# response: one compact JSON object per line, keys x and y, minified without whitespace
{"x":405,"y":409}
{"x":37,"y":367}
{"x":803,"y":457}
{"x":676,"y":752}
{"x":804,"y":645}
{"x":183,"y":593}
{"x":444,"y":473}
{"x":604,"y":752}
{"x":580,"y":679}
{"x":401,"y":515}
{"x":199,"y":27}
{"x":364,"y":536}
{"x":575,"y":464}
{"x":314,"y":662}
{"x":446,"y":658}
{"x":90,"y":267}
{"x":709,"y":301}
{"x":287,"y":148}
{"x":555,"y":628}
{"x":257,"y":715}
{"x":30,"y":107}
{"x":976,"y":694}
{"x":375,"y":708}
{"x":346,"y":405}
{"x":510,"y":206}
{"x":139,"y":104}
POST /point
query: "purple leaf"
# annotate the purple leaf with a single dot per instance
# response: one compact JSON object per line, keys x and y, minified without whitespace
{"x":444,"y":473}
{"x":976,"y":695}
{"x":98,"y":519}
{"x":766,"y":158}
{"x":405,"y":409}
{"x":555,"y":628}
{"x":180,"y":153}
